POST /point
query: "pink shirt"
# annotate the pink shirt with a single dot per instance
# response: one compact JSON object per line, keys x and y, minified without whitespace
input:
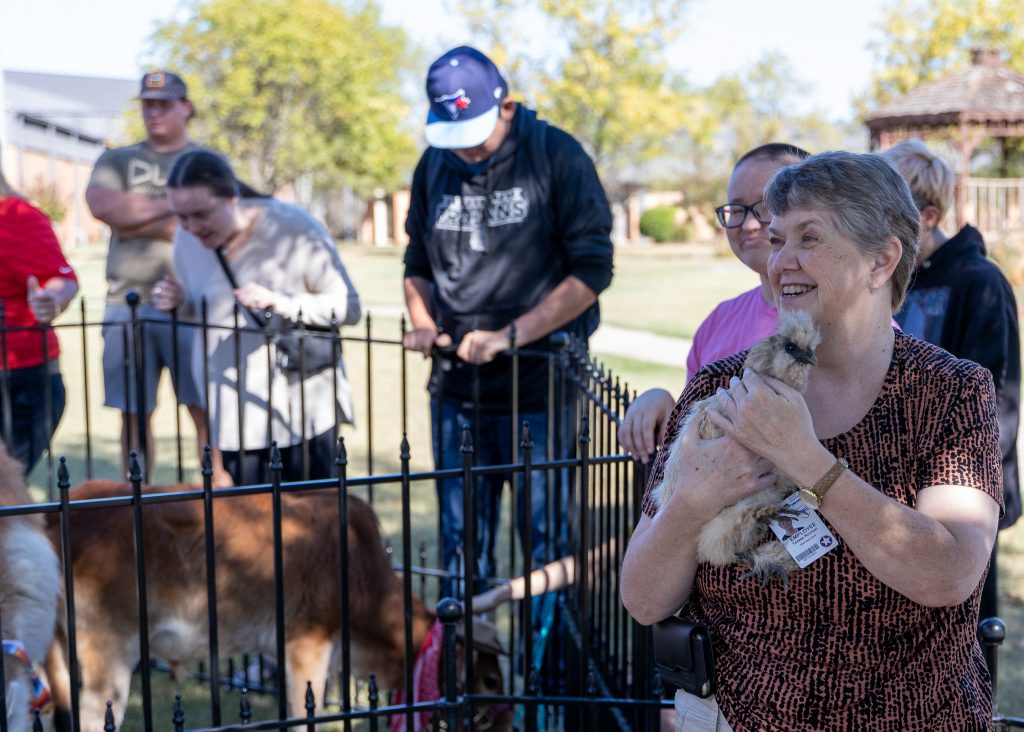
{"x":734,"y":326}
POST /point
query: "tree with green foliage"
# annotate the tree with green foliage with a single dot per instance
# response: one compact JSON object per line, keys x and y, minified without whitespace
{"x":609,"y":84}
{"x":923,"y":40}
{"x":495,"y":26}
{"x":739,"y":111}
{"x":293,"y":88}
{"x":613,"y":89}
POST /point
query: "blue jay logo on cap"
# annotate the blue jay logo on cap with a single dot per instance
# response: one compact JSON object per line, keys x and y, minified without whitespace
{"x":454,"y":103}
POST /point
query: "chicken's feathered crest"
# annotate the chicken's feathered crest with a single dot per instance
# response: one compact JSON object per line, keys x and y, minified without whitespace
{"x":789,"y":354}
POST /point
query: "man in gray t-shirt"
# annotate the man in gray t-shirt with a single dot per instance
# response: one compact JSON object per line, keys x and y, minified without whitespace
{"x":127,"y":191}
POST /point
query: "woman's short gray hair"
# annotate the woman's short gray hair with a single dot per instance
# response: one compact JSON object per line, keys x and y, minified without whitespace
{"x":864,"y":197}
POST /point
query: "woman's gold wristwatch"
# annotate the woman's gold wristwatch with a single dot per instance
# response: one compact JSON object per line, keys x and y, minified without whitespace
{"x":813,"y":496}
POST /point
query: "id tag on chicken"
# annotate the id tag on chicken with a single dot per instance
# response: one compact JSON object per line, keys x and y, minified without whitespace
{"x":805,"y":535}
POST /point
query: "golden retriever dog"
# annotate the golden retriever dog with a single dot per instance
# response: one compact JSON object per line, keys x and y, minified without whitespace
{"x":29,"y":593}
{"x":103,"y":560}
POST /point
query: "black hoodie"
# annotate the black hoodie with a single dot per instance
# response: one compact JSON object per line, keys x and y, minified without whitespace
{"x":494,"y":242}
{"x":960,"y":301}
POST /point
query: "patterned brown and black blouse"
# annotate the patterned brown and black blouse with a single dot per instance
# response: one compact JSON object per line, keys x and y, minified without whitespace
{"x":837,"y":649}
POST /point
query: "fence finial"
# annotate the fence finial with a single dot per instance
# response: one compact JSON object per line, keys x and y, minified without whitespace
{"x":207,"y":460}
{"x":178,"y":718}
{"x":526,"y":443}
{"x":244,"y":707}
{"x":134,"y":469}
{"x":584,"y":427}
{"x":108,"y":718}
{"x":310,"y":700}
{"x":374,"y":695}
{"x":63,"y":476}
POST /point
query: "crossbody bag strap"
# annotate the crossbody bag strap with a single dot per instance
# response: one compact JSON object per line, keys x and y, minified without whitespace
{"x":260,"y":323}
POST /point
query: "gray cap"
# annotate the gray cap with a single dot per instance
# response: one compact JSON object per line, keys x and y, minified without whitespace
{"x":162,"y":85}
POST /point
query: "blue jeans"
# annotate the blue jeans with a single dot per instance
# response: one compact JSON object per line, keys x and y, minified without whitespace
{"x":492,"y":445}
{"x":31,"y":430}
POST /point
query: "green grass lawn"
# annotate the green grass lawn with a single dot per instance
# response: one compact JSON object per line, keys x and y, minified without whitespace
{"x":668,"y":291}
{"x":665,"y":289}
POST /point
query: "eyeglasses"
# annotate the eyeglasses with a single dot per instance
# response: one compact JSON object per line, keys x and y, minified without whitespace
{"x":732,"y":215}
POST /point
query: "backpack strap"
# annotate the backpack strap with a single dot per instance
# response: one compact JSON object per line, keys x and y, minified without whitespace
{"x":540,"y":157}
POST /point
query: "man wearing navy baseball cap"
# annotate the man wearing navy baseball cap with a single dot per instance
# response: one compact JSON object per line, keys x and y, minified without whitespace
{"x":466,"y":92}
{"x":509,"y":241}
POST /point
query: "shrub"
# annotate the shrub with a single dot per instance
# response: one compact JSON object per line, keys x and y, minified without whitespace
{"x":659,"y":223}
{"x":48,"y":199}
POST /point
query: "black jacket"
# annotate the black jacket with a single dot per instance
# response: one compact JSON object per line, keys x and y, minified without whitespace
{"x":494,"y":243}
{"x":959,"y":300}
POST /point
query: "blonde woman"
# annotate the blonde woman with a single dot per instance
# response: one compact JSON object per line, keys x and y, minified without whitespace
{"x":960,"y":300}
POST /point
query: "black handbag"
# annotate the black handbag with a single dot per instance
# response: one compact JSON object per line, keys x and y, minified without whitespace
{"x":301,"y":349}
{"x":684,"y":656}
{"x":308,"y":350}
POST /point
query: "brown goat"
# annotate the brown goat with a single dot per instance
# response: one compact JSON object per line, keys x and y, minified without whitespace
{"x":102,"y":548}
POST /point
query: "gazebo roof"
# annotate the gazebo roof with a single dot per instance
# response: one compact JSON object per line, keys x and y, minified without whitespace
{"x":985,"y":92}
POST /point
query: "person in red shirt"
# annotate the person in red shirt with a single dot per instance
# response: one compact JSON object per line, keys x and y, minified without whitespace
{"x":36,"y":284}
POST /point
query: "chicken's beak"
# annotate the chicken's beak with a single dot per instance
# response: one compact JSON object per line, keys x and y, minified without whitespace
{"x":807,"y":357}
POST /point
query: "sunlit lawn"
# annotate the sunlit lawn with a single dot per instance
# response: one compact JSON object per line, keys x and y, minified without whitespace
{"x":668,"y":291}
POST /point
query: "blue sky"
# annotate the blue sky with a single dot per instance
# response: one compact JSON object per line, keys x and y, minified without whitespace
{"x":825,"y":40}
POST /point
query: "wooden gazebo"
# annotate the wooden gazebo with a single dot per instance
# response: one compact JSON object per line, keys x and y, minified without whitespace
{"x":985,"y":100}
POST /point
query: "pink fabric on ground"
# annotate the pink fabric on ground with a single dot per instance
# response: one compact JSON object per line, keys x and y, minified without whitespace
{"x":426,"y":680}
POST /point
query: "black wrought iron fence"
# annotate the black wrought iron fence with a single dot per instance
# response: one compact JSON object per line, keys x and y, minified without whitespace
{"x":575,"y":658}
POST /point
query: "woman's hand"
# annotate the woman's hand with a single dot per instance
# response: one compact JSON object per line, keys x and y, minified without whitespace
{"x":167,"y":294}
{"x":643,"y":427}
{"x":257,"y":297}
{"x":660,"y":563}
{"x":44,"y":303}
{"x":767,"y":416}
{"x":713,"y":474}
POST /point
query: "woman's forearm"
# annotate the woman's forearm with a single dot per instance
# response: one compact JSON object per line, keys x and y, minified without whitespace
{"x":659,"y":567}
{"x":933,"y":554}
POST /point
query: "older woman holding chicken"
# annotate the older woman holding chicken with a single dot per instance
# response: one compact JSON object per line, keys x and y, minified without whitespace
{"x":895,"y":444}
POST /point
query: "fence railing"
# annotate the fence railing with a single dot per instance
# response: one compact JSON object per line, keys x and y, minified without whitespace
{"x":576,"y":659}
{"x":995,"y":205}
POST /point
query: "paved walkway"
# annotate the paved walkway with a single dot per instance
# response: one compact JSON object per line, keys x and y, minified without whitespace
{"x":640,"y":345}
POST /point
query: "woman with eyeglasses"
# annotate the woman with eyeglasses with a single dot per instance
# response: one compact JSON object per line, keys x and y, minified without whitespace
{"x":735,"y":324}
